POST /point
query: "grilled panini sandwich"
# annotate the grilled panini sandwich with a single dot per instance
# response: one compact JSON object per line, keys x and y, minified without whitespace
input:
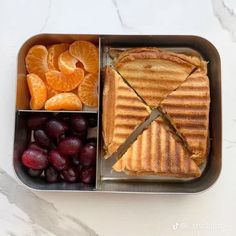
{"x":154,"y":73}
{"x":123,"y":111}
{"x":157,"y":151}
{"x":188,"y":111}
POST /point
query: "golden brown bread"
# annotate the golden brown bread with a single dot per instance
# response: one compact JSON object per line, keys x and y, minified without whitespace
{"x":123,"y":111}
{"x":188,"y":110}
{"x":154,"y":73}
{"x":157,"y":151}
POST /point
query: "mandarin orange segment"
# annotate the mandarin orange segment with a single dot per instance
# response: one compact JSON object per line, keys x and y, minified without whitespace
{"x":36,"y":60}
{"x":64,"y":101}
{"x":54,"y":52}
{"x":64,"y":82}
{"x":86,"y":53}
{"x":38,"y":91}
{"x":50,"y":91}
{"x":66,"y":62}
{"x":87,"y":90}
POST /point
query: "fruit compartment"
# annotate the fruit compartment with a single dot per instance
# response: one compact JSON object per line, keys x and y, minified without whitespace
{"x":191,"y":45}
{"x":24,"y":136}
{"x":23,"y":111}
{"x":23,"y":96}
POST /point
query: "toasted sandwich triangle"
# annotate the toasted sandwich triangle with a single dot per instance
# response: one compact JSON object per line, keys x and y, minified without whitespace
{"x":157,"y":151}
{"x":147,"y":70}
{"x":123,"y":111}
{"x":187,"y":109}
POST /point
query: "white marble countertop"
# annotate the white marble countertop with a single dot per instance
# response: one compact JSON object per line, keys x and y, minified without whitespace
{"x":45,"y":213}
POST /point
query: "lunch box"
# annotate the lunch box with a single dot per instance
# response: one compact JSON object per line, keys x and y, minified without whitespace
{"x":106,"y":179}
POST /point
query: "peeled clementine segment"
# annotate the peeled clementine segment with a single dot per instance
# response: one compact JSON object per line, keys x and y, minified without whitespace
{"x":54,"y":52}
{"x":64,"y":101}
{"x":64,"y":82}
{"x":86,"y":53}
{"x":87,"y":90}
{"x":38,"y":91}
{"x":66,"y":62}
{"x":36,"y":60}
{"x":50,"y":91}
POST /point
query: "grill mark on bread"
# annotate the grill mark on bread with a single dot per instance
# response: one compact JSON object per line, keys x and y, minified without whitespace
{"x":168,"y":106}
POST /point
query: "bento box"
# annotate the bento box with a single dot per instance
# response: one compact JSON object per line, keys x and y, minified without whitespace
{"x":107,"y":180}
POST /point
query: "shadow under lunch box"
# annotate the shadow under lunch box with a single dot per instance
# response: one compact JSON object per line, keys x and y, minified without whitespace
{"x":106,"y":180}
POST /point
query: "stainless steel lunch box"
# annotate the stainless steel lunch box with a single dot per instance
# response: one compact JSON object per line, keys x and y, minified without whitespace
{"x":106,"y":181}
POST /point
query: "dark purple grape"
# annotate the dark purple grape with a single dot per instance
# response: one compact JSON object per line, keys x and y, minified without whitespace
{"x":36,"y":120}
{"x":92,"y":141}
{"x":42,"y":139}
{"x":34,"y":173}
{"x":56,"y":128}
{"x":70,"y":175}
{"x":65,"y":117}
{"x":79,"y":124}
{"x":81,"y":135}
{"x":87,"y":155}
{"x":87,"y":176}
{"x":58,"y":160}
{"x":70,"y":146}
{"x":34,"y":159}
{"x":51,"y":175}
{"x":75,"y":160}
{"x":33,"y":145}
{"x":92,"y":121}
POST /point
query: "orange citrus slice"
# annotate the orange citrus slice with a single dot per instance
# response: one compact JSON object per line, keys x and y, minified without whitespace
{"x":86,"y":53}
{"x":50,"y":91}
{"x":87,"y":90}
{"x":54,"y":52}
{"x":36,"y":60}
{"x":38,"y":91}
{"x":66,"y":62}
{"x":64,"y":101}
{"x":64,"y":82}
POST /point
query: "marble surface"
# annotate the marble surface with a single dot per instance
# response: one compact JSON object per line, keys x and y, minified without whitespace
{"x":23,"y":212}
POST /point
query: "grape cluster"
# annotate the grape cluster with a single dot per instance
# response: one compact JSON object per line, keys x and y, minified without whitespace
{"x":59,"y":148}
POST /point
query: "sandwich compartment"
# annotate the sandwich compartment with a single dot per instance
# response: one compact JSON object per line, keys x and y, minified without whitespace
{"x":106,"y":180}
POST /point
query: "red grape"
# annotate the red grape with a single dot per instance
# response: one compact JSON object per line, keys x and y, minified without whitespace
{"x":70,"y":146}
{"x":41,"y":138}
{"x":33,"y":145}
{"x":34,"y":173}
{"x":58,"y":160}
{"x":92,"y":141}
{"x":36,"y":120}
{"x":81,"y":135}
{"x":75,"y":160}
{"x":34,"y":159}
{"x":87,"y":176}
{"x":79,"y":123}
{"x":92,"y":121}
{"x":87,"y":155}
{"x":51,"y":175}
{"x":56,"y":128}
{"x":70,"y":175}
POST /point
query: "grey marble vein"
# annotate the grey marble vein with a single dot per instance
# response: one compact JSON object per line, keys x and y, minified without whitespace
{"x":226,"y":17}
{"x":121,"y":20}
{"x":47,"y":16}
{"x":40,"y":212}
{"x":230,"y":144}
